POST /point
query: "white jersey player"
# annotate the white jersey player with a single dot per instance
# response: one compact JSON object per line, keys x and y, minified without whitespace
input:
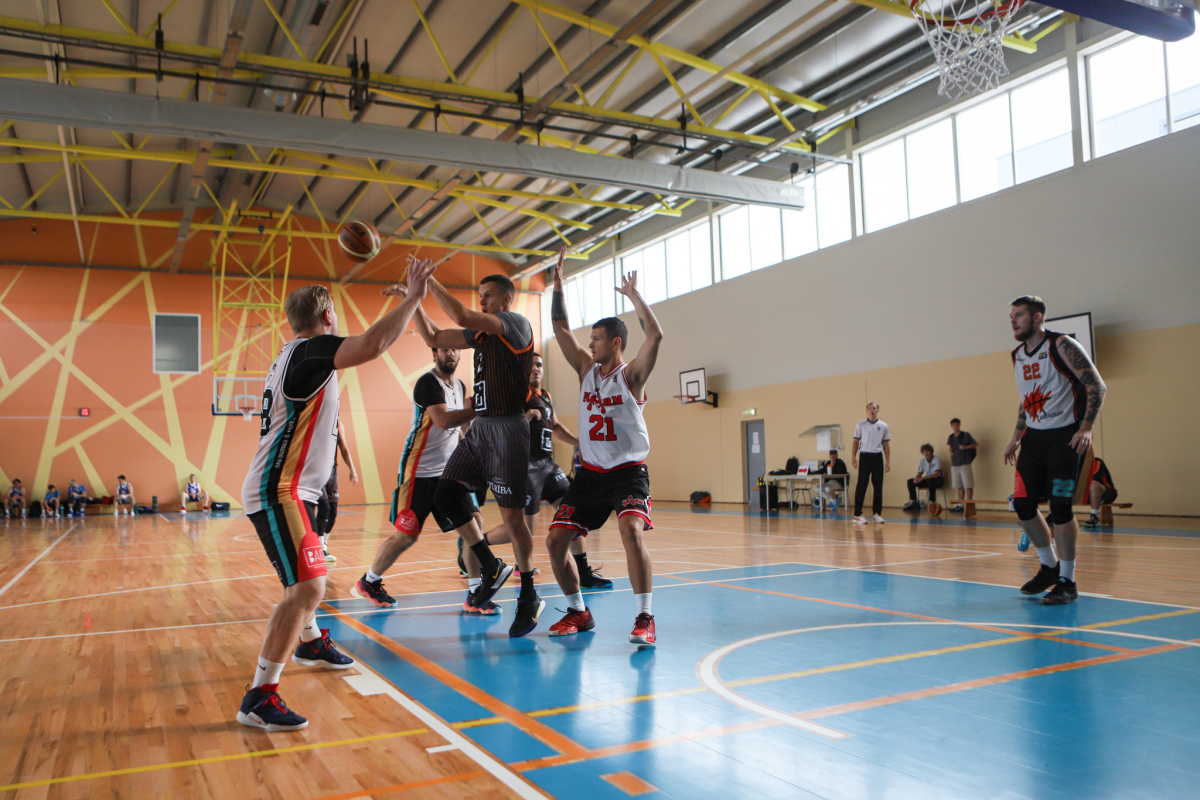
{"x":613,"y":443}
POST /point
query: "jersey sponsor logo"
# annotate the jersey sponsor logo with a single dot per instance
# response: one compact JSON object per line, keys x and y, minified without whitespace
{"x":1035,"y":402}
{"x":313,"y":556}
{"x":633,"y":502}
{"x":406,"y":522}
{"x":499,"y":489}
{"x":593,"y":399}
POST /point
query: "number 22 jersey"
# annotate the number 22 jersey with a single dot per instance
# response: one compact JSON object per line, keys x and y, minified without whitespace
{"x":1050,"y":393}
{"x":613,"y":432}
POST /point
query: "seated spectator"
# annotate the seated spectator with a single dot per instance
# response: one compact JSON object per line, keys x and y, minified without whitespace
{"x":76,"y":498}
{"x":1101,"y":491}
{"x":124,"y":495}
{"x":833,"y":487}
{"x":193,"y":493}
{"x":51,"y":507}
{"x":15,"y":504}
{"x":929,"y":475}
{"x":963,"y":449}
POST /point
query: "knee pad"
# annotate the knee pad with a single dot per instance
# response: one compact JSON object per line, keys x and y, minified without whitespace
{"x":1060,"y":511}
{"x":451,"y":498}
{"x":1026,"y":508}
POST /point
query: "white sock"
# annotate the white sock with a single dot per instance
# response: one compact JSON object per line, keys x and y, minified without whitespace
{"x":643,"y":601}
{"x":474,"y":583}
{"x":372,"y":577}
{"x":325,"y":540}
{"x":1047,"y":555}
{"x":575,"y":602}
{"x":268,"y":672}
{"x":1066,"y":569}
{"x":311,"y":631}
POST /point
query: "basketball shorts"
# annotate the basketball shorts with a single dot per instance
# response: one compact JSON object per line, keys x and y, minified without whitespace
{"x":1109,"y":497}
{"x":1047,"y":466}
{"x":546,"y":482}
{"x":416,"y":495}
{"x":331,"y":486}
{"x":593,"y":496}
{"x":124,"y":499}
{"x":286,"y":532}
{"x":494,"y":453}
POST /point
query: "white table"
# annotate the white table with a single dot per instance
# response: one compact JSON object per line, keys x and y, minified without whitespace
{"x":812,"y":482}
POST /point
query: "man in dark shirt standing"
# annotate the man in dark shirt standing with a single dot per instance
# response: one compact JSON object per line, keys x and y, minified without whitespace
{"x":963,"y":449}
{"x":496,"y":450}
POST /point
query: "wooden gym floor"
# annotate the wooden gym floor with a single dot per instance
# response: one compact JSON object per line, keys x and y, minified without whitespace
{"x":798,"y":657}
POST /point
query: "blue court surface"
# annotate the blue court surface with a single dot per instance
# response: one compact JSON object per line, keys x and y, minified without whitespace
{"x":794,"y":681}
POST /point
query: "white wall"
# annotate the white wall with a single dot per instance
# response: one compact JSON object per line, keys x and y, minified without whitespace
{"x":1118,"y":236}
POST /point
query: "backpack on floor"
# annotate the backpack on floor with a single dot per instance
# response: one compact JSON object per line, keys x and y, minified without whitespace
{"x":701,"y":498}
{"x":35,"y":509}
{"x":219,"y":506}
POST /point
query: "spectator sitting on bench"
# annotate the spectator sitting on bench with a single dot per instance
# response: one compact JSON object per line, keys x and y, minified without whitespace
{"x":51,"y":505}
{"x":124,"y":495}
{"x":193,"y":493}
{"x":834,"y":486}
{"x":1101,"y":491}
{"x":15,"y":503}
{"x":76,"y":498}
{"x":929,"y":475}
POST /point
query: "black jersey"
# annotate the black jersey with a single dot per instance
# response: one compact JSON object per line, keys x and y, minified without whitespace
{"x":502,"y":366}
{"x":540,"y":430}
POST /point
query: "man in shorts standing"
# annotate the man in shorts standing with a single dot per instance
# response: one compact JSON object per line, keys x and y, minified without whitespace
{"x":1061,"y":395}
{"x":296,"y":446}
{"x":613,"y":475}
{"x":495,"y":452}
{"x":963,"y":449}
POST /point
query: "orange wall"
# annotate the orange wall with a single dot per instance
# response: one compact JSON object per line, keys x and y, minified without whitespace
{"x":71,"y":338}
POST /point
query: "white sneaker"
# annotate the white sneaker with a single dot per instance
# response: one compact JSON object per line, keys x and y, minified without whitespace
{"x":329,"y":557}
{"x":877,"y":518}
{"x":860,"y":520}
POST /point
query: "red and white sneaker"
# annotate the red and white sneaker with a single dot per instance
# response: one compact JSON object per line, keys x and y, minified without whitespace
{"x":643,"y":630}
{"x":575,"y":622}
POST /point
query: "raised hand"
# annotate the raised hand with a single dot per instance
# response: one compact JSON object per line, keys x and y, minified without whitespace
{"x":628,"y":285}
{"x":395,"y":289}
{"x":558,"y":276}
{"x":419,"y":272}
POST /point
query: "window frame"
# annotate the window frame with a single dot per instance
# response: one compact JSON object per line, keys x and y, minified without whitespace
{"x":154,"y":344}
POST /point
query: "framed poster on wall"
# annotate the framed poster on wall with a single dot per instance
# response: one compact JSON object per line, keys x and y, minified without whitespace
{"x":1078,"y":327}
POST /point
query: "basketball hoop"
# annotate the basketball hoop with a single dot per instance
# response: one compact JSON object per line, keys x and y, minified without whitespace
{"x":684,"y":399}
{"x":966,"y":43}
{"x":247,"y":413}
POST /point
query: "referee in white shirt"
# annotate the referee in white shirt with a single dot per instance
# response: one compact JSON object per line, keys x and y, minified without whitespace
{"x":872,"y":440}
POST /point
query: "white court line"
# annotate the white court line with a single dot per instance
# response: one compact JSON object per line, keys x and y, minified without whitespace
{"x":36,"y":559}
{"x":443,"y":748}
{"x":371,"y":683}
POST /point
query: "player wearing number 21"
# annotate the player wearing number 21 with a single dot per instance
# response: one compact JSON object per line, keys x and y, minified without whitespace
{"x":613,"y":443}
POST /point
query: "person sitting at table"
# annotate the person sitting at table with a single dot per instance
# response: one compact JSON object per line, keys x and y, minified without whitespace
{"x":929,"y":476}
{"x":832,"y":488}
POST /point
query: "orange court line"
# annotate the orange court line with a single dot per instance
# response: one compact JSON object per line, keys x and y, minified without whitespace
{"x":404,"y":787}
{"x":1046,"y":636}
{"x":629,"y":783}
{"x":523,"y":722}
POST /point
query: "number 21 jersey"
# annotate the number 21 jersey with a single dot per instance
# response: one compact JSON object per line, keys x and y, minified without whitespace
{"x":612,"y":430}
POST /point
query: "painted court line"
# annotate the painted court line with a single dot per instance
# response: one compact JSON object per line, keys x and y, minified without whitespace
{"x":36,"y":559}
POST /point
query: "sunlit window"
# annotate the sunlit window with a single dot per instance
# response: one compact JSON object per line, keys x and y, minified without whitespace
{"x":930,"y":158}
{"x":1183,"y":70}
{"x":832,"y":191}
{"x":1041,"y":124}
{"x":1128,"y":94}
{"x":679,"y":266}
{"x":735,"y":243}
{"x":885,"y":192}
{"x":800,"y":227}
{"x":984,"y":149}
{"x":766,"y":240}
{"x":653,"y":281}
{"x":701,"y":256}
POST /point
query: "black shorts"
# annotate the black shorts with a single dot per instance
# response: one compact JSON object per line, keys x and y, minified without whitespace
{"x":331,"y":486}
{"x":291,"y":541}
{"x":1109,"y":497}
{"x":416,"y":495}
{"x":594,"y":495}
{"x":494,"y":453}
{"x":546,"y":482}
{"x":1047,"y":466}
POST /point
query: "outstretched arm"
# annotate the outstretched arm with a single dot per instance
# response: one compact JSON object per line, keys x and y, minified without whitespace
{"x":638,"y":371}
{"x":432,"y":335}
{"x":577,"y":356}
{"x":1073,"y":353}
{"x":375,"y":340}
{"x":461,"y":315}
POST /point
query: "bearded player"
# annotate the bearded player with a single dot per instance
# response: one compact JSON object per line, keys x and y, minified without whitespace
{"x":1061,"y":395}
{"x":613,"y":443}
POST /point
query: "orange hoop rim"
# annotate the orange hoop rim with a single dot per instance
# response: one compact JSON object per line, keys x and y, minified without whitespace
{"x":1007,"y":8}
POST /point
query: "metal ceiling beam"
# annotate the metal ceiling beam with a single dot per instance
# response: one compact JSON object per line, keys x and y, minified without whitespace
{"x":238,"y":17}
{"x":24,"y":172}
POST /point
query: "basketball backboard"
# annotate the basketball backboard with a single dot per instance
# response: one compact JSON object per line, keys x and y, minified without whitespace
{"x":234,"y":396}
{"x":1168,"y":20}
{"x":1079,"y":328}
{"x":693,"y":388}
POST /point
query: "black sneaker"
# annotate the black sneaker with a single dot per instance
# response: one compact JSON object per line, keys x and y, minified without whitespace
{"x":528,"y":612}
{"x":264,"y":708}
{"x":1065,"y":591}
{"x":1045,"y":578}
{"x":492,"y":583}
{"x":462,"y":565}
{"x":1092,"y":522}
{"x":373,"y":591}
{"x":593,"y":580}
{"x":321,"y":653}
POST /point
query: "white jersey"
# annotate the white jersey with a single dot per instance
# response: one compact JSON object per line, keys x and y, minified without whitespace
{"x":1050,"y":393}
{"x":298,"y":436}
{"x":612,"y":430}
{"x":428,"y":447}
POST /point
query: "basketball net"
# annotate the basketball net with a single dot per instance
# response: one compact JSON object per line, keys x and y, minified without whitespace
{"x":966,"y":37}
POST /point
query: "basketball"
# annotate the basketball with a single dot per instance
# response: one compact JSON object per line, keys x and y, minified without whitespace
{"x":935,"y":508}
{"x":359,"y":240}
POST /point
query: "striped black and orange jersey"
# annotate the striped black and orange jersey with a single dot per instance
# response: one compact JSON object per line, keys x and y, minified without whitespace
{"x":502,"y":366}
{"x":428,"y":447}
{"x":541,"y":445}
{"x":298,"y":434}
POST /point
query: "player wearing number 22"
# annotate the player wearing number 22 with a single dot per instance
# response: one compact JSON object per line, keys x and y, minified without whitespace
{"x":1061,"y":395}
{"x":613,"y":443}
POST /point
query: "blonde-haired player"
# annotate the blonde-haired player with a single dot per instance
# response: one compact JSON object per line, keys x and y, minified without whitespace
{"x":613,"y":443}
